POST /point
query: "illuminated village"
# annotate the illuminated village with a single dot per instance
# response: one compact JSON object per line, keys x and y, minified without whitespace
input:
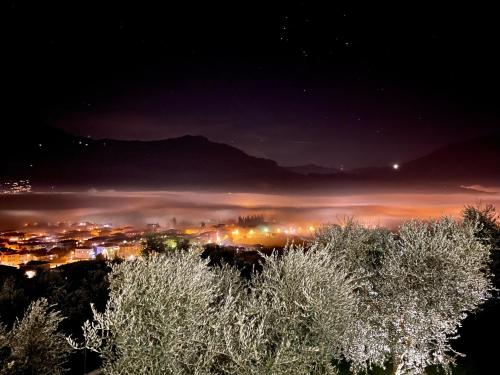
{"x":44,"y":246}
{"x":15,"y":187}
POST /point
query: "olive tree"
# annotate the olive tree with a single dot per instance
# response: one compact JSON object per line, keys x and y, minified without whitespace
{"x":34,"y":345}
{"x":488,"y":223}
{"x":161,"y":317}
{"x":417,"y":285}
{"x":435,"y":275}
{"x":488,"y":233}
{"x":4,"y":348}
{"x":360,"y":250}
{"x":175,"y":315}
{"x":294,"y":318}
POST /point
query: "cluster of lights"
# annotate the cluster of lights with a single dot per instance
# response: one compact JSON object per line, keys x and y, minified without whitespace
{"x":17,"y":187}
{"x":266,"y":230}
{"x":23,"y":247}
{"x":264,"y":233}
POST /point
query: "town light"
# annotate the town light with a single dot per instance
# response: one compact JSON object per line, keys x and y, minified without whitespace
{"x":30,"y":274}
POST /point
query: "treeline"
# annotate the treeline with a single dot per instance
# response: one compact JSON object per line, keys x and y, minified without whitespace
{"x":251,"y":221}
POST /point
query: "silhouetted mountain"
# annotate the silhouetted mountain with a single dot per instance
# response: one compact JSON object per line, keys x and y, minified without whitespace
{"x":312,"y":169}
{"x":50,"y":157}
{"x":473,"y":161}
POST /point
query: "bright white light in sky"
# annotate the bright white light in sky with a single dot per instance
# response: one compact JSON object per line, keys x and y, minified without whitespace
{"x":395,"y":166}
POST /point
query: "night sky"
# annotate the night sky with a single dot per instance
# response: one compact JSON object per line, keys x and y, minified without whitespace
{"x":351,"y":85}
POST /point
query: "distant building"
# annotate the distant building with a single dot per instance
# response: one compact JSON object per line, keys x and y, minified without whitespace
{"x":14,"y":258}
{"x":153,"y":227}
{"x":12,"y":236}
{"x":207,"y":237}
{"x":33,"y":245}
{"x":67,"y":244}
{"x":84,"y":253}
{"x":129,"y":251}
{"x":42,"y":256}
{"x":59,"y":252}
{"x":108,"y":252}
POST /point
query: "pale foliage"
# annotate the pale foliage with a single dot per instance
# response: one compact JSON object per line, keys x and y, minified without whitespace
{"x":4,"y":347}
{"x":174,"y":315}
{"x":367,"y":296}
{"x":418,"y":286}
{"x":360,"y":250}
{"x":294,"y":318}
{"x":35,"y":345}
{"x":3,"y":336}
{"x":160,"y":317}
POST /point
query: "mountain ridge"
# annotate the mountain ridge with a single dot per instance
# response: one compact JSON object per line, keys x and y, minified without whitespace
{"x":50,"y":157}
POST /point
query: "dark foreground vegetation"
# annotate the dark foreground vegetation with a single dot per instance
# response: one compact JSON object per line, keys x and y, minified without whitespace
{"x":70,"y":289}
{"x":187,"y":289}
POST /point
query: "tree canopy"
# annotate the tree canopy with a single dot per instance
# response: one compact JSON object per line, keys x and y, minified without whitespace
{"x":362,"y":295}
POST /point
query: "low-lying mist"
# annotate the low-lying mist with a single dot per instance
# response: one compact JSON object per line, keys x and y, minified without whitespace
{"x":141,"y":207}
